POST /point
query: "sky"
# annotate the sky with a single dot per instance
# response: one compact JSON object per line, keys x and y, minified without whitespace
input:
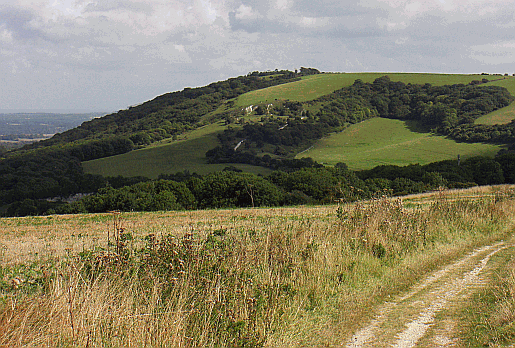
{"x":107,"y":55}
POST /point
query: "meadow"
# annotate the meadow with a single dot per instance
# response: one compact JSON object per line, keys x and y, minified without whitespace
{"x":167,"y":157}
{"x":380,"y":141}
{"x":506,"y":114}
{"x":292,"y":276}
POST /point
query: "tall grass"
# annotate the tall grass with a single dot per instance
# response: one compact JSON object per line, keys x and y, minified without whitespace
{"x":303,"y":282}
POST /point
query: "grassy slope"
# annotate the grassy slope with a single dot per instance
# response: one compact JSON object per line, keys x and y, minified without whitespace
{"x":382,"y":141}
{"x":188,"y":153}
{"x":312,"y":87}
{"x":504,"y":115}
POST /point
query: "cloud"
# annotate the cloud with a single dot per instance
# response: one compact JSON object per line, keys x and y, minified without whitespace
{"x":18,"y":22}
{"x":80,"y":51}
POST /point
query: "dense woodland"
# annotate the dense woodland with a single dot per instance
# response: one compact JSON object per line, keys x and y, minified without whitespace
{"x":30,"y":176}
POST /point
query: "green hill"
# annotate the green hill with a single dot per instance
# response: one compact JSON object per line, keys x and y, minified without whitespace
{"x":362,"y":119}
{"x":188,"y":153}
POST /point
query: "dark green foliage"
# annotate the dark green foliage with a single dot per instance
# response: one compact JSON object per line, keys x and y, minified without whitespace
{"x":309,"y":71}
{"x":507,"y":163}
{"x":144,"y":196}
{"x":41,"y":175}
{"x":232,"y":189}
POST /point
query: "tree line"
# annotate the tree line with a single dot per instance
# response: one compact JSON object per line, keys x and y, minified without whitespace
{"x":311,"y":184}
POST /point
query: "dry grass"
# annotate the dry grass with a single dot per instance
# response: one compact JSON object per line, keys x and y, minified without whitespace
{"x":252,"y":277}
{"x":489,"y":318}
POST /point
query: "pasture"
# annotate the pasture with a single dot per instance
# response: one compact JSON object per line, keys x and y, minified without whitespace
{"x":506,"y":114}
{"x":381,"y":141}
{"x":168,"y":157}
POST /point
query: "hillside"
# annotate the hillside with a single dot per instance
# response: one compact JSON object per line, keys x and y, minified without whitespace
{"x":381,"y":141}
{"x":504,"y":115}
{"x":273,"y":123}
{"x":307,"y":89}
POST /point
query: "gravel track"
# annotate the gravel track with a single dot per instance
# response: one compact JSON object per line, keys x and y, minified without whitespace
{"x":409,"y":320}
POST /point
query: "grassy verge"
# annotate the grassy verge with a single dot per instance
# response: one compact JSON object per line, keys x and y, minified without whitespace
{"x":489,"y":318}
{"x":237,"y":278}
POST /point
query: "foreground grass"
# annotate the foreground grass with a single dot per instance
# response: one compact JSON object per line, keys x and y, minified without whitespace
{"x":381,"y":141}
{"x":253,"y":277}
{"x":489,"y":318}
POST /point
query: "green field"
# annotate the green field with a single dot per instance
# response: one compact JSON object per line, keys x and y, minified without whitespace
{"x":504,"y":115}
{"x":168,"y":157}
{"x":314,"y":86}
{"x":383,"y":141}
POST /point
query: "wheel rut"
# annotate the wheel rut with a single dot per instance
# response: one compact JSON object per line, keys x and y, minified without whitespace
{"x":408,"y":320}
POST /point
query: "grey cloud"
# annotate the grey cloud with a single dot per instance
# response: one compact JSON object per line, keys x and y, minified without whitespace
{"x":335,"y":8}
{"x":262,"y":25}
{"x":339,"y":27}
{"x":18,"y":21}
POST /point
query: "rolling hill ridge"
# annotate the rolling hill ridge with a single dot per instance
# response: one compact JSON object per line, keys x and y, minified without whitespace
{"x":269,"y":121}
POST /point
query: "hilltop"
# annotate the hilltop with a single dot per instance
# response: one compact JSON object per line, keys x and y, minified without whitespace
{"x":275,"y":120}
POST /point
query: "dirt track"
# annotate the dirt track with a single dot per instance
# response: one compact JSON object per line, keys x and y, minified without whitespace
{"x":409,"y":320}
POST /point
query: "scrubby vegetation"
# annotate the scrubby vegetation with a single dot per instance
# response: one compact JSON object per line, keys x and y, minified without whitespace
{"x":254,"y":278}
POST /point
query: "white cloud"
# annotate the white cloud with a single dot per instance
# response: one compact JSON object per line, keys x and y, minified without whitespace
{"x":6,"y":36}
{"x":283,"y":4}
{"x":245,"y":12}
{"x":401,"y":40}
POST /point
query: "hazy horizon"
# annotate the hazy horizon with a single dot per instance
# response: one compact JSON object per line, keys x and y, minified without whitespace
{"x":53,"y":111}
